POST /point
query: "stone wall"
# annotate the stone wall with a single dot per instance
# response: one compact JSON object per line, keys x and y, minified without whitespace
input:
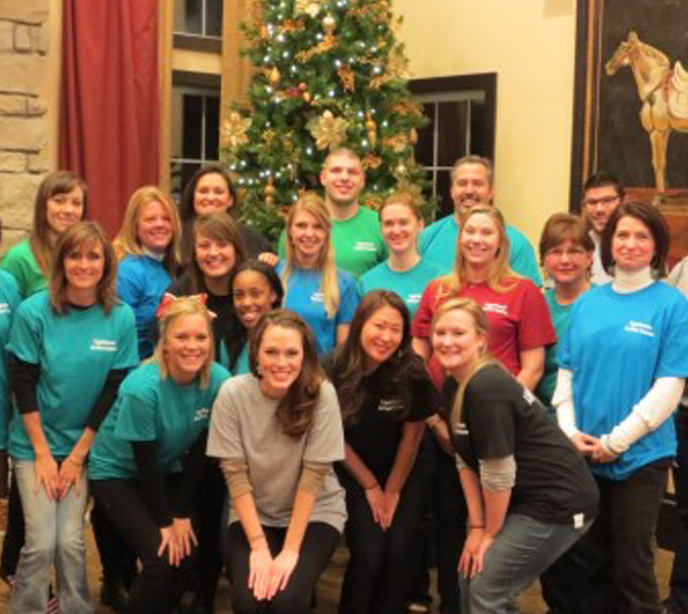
{"x":23,"y":111}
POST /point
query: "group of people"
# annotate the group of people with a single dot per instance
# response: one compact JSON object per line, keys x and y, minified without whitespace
{"x":228,"y":407}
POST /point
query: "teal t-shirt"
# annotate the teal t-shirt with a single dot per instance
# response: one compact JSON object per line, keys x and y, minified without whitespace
{"x":241,"y":367}
{"x":9,"y":301}
{"x":409,"y":285}
{"x":303,"y":295}
{"x":357,"y":242}
{"x":75,"y":352}
{"x":437,"y":243}
{"x":149,"y":408}
{"x":20,"y":261}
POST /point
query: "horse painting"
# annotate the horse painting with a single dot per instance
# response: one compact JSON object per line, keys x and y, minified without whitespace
{"x":663,"y":93}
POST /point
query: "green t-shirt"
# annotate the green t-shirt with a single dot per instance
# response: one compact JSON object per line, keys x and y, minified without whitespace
{"x":20,"y":261}
{"x":409,"y":285}
{"x":149,"y":408}
{"x":357,"y":242}
{"x":75,"y":352}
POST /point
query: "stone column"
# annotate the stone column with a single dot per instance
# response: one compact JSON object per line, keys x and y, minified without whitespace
{"x":23,"y":110}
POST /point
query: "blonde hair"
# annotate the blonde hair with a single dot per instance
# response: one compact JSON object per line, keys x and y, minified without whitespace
{"x":127,"y":242}
{"x":312,"y":204}
{"x":501,"y":277}
{"x":180,"y":308}
{"x":479,"y":318}
{"x":79,"y":235}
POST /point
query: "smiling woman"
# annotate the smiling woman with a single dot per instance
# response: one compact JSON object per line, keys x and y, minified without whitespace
{"x":71,"y":348}
{"x":314,"y":288}
{"x":277,"y":431}
{"x":148,"y":459}
{"x":148,"y":246}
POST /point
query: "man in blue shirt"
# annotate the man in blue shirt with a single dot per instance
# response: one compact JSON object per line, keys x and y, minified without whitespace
{"x":472,"y":184}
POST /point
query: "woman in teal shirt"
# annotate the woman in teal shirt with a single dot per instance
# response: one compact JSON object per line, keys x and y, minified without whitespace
{"x":148,"y":457}
{"x":71,"y":346}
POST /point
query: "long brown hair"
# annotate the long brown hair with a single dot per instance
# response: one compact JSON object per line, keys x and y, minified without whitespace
{"x":296,"y":410}
{"x":59,"y":182}
{"x":79,"y":235}
{"x":349,"y":358}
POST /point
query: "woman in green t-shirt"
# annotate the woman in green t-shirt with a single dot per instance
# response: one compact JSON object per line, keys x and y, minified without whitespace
{"x":70,"y":348}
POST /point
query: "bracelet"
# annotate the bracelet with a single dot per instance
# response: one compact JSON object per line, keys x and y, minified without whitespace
{"x":476,"y":526}
{"x":256,"y":537}
{"x":375,"y":485}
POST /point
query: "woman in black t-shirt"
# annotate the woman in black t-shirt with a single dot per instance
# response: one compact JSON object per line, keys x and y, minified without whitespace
{"x":529,"y":493}
{"x":385,"y":396}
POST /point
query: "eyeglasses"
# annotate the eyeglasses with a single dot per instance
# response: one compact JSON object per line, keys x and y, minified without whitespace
{"x":557,"y":252}
{"x":605,"y":201}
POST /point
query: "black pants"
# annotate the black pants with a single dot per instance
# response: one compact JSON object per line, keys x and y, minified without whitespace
{"x":378,"y":574}
{"x":611,"y":569}
{"x":678,"y":597}
{"x":14,"y":534}
{"x":318,"y":545}
{"x":155,"y":589}
{"x":208,"y":512}
{"x":117,"y":559}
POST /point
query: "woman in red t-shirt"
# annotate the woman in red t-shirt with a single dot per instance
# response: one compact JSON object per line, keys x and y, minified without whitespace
{"x":519,"y":328}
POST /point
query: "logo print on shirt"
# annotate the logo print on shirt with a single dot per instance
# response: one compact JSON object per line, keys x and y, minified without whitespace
{"x":528,"y":396}
{"x":364,"y":246}
{"x":390,"y":405}
{"x":5,"y":309}
{"x":639,"y":328}
{"x":413,"y":299}
{"x":317,"y":297}
{"x":201,"y":414}
{"x":502,"y":310}
{"x":103,"y":345}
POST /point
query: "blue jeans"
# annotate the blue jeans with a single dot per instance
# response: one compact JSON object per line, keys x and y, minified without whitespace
{"x":522,"y":550}
{"x":54,"y":535}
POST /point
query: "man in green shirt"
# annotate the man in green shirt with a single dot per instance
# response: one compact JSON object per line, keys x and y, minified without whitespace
{"x":356,"y":236}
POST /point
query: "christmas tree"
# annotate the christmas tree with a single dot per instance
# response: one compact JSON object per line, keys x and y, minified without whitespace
{"x":327,"y":74}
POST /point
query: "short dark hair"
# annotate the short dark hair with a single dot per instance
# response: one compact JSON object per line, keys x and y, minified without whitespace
{"x":656,"y":224}
{"x":562,"y":226}
{"x":602,"y":180}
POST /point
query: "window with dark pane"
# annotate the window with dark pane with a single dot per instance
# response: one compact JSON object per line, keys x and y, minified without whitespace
{"x":192,"y":122}
{"x":213,"y":18}
{"x":212,"y":128}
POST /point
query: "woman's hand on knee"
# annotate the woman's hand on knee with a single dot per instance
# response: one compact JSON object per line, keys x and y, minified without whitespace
{"x":260,"y":562}
{"x":282,"y":567}
{"x":467,"y":562}
{"x":70,"y":473}
{"x":168,"y":542}
{"x":47,"y":476}
{"x":184,"y":536}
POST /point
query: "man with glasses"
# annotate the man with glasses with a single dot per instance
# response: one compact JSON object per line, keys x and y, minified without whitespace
{"x":602,"y":193}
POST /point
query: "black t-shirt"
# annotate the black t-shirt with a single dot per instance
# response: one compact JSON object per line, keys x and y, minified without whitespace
{"x":388,"y":403}
{"x":501,"y":418}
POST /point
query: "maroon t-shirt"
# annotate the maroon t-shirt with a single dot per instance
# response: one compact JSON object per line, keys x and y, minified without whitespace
{"x":518,"y":319}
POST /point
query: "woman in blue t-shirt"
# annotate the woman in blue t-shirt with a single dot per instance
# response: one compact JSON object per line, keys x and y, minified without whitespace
{"x":71,"y":346}
{"x":323,"y":296}
{"x":148,"y":246}
{"x":622,"y":364}
{"x":149,"y":455}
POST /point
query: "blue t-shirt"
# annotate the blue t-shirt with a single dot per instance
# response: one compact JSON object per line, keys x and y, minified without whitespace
{"x":149,"y":408}
{"x":617,"y":345}
{"x":75,"y":352}
{"x":409,"y":285}
{"x":9,"y":301}
{"x":141,"y":282}
{"x":303,"y":295}
{"x":437,"y":243}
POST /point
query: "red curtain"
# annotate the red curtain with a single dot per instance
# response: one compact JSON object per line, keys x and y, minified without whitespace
{"x":110,"y":101}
